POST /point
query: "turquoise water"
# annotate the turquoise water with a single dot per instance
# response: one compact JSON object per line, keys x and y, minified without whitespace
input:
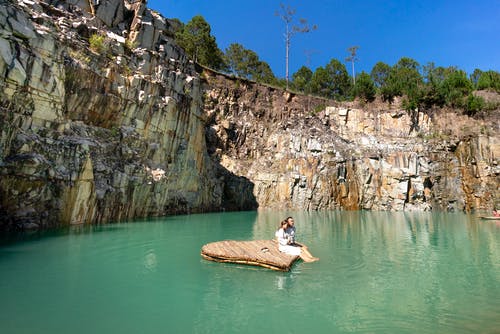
{"x":378,"y":273}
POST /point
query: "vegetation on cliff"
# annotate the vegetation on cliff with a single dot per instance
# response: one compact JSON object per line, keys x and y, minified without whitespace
{"x":421,"y":86}
{"x":196,"y":39}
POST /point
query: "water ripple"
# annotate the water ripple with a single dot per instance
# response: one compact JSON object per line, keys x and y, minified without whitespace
{"x":378,"y":273}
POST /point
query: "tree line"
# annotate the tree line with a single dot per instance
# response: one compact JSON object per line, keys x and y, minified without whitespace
{"x":422,"y":87}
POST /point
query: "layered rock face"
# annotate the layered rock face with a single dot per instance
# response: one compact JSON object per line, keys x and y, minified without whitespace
{"x":96,"y":136}
{"x":103,"y":118}
{"x":308,"y":154}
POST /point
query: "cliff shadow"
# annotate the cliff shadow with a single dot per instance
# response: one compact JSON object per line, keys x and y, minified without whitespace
{"x":237,"y":191}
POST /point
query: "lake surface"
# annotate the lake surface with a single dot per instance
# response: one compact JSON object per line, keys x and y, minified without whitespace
{"x":378,"y":273}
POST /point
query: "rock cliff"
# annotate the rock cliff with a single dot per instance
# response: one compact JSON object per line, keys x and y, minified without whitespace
{"x":98,"y":133}
{"x":304,"y":153}
{"x":103,"y":118}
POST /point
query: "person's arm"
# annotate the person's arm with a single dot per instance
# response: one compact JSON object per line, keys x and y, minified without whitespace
{"x":282,"y":239}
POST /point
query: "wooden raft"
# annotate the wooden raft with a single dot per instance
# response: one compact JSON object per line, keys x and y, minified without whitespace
{"x":262,"y":253}
{"x":490,"y":217}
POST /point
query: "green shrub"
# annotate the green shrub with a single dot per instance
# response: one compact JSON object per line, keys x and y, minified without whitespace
{"x":318,"y":108}
{"x":130,"y":45}
{"x":474,"y":104}
{"x":456,"y":87}
{"x":98,"y":43}
{"x":489,"y":79}
{"x":364,"y":87}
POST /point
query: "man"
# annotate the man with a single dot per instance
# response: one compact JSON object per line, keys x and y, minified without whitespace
{"x":290,"y":231}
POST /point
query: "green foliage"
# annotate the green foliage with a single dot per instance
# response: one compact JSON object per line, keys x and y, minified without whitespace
{"x":321,"y":82}
{"x":263,"y":73}
{"x":445,"y":86}
{"x":410,"y":103}
{"x":196,"y":40}
{"x":302,"y":79}
{"x":440,"y":86}
{"x":489,"y":80}
{"x":240,"y":61}
{"x":436,"y":75}
{"x":341,"y":80}
{"x":332,"y":81}
{"x":130,"y":45}
{"x":428,"y":71}
{"x":246,"y":64}
{"x":455,"y":88}
{"x":98,"y":44}
{"x":115,"y":131}
{"x":380,"y":73}
{"x":175,"y":25}
{"x":318,"y":108}
{"x":474,"y":77}
{"x":364,"y":87}
{"x":432,"y":95}
{"x":281,"y":82}
{"x":474,"y":104}
{"x":418,"y":86}
{"x":79,"y":56}
{"x":404,"y":80}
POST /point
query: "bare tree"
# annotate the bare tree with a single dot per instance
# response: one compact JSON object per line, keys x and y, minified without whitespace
{"x":286,"y":14}
{"x":352,"y":58}
{"x":309,"y":54}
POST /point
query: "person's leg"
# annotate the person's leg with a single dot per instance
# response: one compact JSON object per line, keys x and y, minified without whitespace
{"x":309,"y":255}
{"x":306,"y":256}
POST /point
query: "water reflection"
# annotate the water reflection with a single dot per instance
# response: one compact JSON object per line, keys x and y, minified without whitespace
{"x":410,"y":266}
{"x":388,"y":230}
{"x":378,"y":272}
{"x":150,"y":261}
{"x":286,"y":280}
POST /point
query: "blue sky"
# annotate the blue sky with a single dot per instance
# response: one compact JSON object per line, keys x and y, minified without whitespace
{"x":458,"y":33}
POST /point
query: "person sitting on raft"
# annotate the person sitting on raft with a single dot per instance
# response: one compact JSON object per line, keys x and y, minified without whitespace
{"x":284,"y":240}
{"x":286,"y":244}
{"x":290,"y":231}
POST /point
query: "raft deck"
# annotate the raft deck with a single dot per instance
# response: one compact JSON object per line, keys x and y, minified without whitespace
{"x":262,"y":253}
{"x":490,"y":217}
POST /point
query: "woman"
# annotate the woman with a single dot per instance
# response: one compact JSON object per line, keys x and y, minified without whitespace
{"x":304,"y":251}
{"x":284,"y":240}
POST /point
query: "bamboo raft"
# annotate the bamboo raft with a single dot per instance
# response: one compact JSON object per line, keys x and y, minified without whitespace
{"x":263,"y":253}
{"x":490,"y":217}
